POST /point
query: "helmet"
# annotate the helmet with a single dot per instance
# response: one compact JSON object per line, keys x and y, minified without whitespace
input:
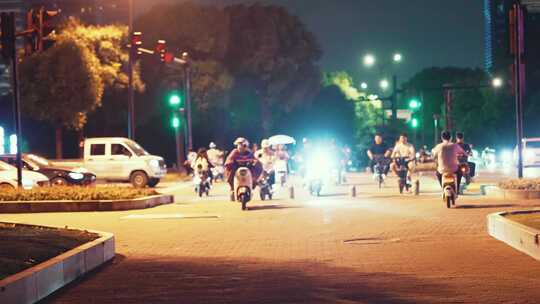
{"x":212,"y":145}
{"x":265,"y":143}
{"x":241,"y":140}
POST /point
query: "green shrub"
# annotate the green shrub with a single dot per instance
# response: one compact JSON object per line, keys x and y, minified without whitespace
{"x":75,"y":193}
{"x":521,"y":184}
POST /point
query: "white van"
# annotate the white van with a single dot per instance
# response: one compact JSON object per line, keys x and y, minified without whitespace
{"x":121,"y":159}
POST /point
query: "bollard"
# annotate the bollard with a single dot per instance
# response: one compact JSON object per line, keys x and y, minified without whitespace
{"x":417,"y":187}
{"x":352,"y":191}
{"x":291,"y":192}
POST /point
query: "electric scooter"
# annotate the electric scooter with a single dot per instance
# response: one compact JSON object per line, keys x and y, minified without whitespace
{"x":243,"y":183}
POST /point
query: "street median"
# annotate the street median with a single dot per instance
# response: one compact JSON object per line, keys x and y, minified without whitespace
{"x":508,"y":227}
{"x":84,"y":205}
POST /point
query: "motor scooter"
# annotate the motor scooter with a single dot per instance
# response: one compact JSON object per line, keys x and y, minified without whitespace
{"x":243,"y":183}
{"x":201,"y":181}
{"x":402,"y":172}
{"x":218,"y":172}
{"x":449,"y":183}
{"x":265,"y":187}
{"x":379,"y":169}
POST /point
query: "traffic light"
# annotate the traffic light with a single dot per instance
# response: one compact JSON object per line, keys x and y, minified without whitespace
{"x":136,"y":42}
{"x":175,"y":100}
{"x":414,"y":104}
{"x":175,"y":122}
{"x":161,"y":49}
{"x":414,"y":123}
{"x":7,"y":25}
{"x":46,"y":26}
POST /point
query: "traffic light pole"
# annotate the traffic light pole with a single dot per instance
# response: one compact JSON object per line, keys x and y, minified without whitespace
{"x":394,"y":101}
{"x":517,"y":48}
{"x":131,"y":92}
{"x":9,"y":49}
{"x":187,"y":68}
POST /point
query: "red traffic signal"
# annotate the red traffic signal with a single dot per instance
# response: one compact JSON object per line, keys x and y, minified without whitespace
{"x":136,"y":42}
{"x":161,"y":49}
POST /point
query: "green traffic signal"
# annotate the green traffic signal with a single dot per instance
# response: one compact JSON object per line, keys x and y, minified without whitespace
{"x":175,"y":122}
{"x":175,"y":100}
{"x":414,"y":104}
{"x":414,"y":123}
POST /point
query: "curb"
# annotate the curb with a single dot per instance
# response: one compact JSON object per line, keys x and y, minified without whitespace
{"x":497,"y":192}
{"x":518,"y":236}
{"x":82,"y":206}
{"x":36,"y":283}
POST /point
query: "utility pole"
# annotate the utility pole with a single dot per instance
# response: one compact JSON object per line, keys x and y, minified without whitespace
{"x":394,"y":101}
{"x":131,"y":92}
{"x":187,"y":71}
{"x":436,"y":128}
{"x":517,"y":48}
{"x":9,"y":51}
{"x":448,"y":105}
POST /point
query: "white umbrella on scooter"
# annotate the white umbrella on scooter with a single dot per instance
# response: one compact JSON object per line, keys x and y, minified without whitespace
{"x":281,"y":140}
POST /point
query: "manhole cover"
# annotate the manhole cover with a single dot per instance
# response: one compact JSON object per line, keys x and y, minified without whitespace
{"x":168,"y":216}
{"x":370,"y":241}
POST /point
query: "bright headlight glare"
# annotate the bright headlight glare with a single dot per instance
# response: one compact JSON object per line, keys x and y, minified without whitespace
{"x":529,"y":154}
{"x":506,"y":156}
{"x":76,"y":175}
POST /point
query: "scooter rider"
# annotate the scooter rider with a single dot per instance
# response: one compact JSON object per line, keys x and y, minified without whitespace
{"x":460,"y":140}
{"x":404,"y":149}
{"x":378,"y":150}
{"x":267,"y":157}
{"x":446,"y":154}
{"x":241,"y":153}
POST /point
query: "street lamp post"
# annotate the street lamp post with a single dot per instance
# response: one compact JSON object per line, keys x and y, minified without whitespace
{"x":131,"y":91}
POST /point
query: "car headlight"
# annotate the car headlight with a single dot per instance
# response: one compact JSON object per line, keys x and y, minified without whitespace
{"x":76,"y":175}
{"x":154,"y":163}
{"x":28,"y":183}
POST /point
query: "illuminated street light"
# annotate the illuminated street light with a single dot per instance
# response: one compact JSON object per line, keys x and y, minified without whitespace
{"x":363,"y":86}
{"x":384,"y":84}
{"x":369,"y":60}
{"x":397,"y":57}
{"x":497,"y":82}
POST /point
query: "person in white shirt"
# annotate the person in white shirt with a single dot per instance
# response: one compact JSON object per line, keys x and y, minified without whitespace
{"x":446,"y":155}
{"x":267,"y":157}
{"x":215,"y":155}
{"x":404,"y":149}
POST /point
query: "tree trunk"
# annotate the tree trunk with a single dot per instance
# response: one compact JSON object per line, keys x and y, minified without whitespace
{"x":80,"y":140}
{"x":58,"y":134}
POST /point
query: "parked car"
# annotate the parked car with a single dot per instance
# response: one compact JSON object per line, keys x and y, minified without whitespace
{"x":119,"y":159}
{"x":58,"y":175}
{"x":7,"y":184}
{"x":30,"y":179}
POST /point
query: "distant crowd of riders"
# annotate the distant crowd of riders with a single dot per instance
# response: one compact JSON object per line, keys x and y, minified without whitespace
{"x":270,"y":164}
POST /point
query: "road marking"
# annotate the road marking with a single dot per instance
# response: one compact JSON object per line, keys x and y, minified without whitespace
{"x":168,"y":216}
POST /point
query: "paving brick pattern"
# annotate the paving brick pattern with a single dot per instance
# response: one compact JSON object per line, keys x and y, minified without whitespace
{"x":379,"y":247}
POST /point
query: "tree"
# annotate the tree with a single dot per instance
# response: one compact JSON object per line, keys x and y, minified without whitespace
{"x":277,"y":54}
{"x":64,"y":91}
{"x":482,"y":113}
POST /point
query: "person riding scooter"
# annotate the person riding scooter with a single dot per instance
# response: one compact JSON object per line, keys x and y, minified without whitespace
{"x":446,"y":154}
{"x":377,"y":152}
{"x":460,"y":140}
{"x":405,"y":151}
{"x":267,"y":157}
{"x":241,"y":154}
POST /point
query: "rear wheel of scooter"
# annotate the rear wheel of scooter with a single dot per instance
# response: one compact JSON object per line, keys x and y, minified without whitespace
{"x":201,"y":191}
{"x":417,"y":187}
{"x":232,"y":198}
{"x":270,"y":196}
{"x":401,"y":186}
{"x":263,"y":195}
{"x":448,"y":202}
{"x":381,"y":181}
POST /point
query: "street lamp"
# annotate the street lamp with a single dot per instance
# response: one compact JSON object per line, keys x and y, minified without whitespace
{"x":397,"y":57}
{"x":497,"y":82}
{"x":369,"y":60}
{"x":363,"y":86}
{"x":384,"y":84}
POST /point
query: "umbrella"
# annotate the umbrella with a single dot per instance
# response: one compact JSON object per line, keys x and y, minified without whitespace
{"x":281,"y":140}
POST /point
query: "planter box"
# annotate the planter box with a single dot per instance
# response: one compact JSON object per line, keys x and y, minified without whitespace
{"x":520,"y":237}
{"x":81,"y":206}
{"x":35,"y":283}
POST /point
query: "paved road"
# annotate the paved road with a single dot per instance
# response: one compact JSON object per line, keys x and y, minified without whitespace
{"x":377,"y":248}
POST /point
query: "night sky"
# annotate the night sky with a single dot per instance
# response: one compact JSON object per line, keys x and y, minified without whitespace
{"x":427,"y":32}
